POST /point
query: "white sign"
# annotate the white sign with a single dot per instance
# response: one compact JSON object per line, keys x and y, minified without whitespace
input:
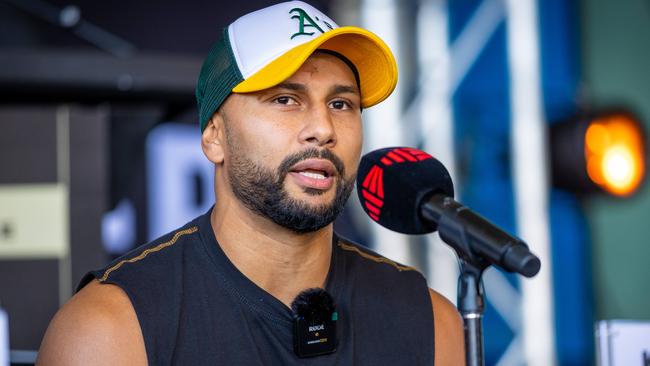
{"x":33,"y":221}
{"x":623,"y":343}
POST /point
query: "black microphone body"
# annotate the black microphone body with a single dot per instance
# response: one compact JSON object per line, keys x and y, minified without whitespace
{"x":409,"y":191}
{"x":477,"y":236}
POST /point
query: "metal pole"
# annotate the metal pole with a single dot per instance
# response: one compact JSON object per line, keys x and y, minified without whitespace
{"x":471,"y":304}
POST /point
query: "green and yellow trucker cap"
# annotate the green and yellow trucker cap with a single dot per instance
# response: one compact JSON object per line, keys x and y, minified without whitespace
{"x":263,"y":48}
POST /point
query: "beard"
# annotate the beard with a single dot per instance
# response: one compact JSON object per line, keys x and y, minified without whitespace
{"x":262,"y":191}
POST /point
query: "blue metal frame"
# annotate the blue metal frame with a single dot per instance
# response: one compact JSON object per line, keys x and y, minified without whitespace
{"x":482,"y":120}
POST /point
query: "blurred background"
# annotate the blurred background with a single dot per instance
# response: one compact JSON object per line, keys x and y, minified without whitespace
{"x":537,"y":108}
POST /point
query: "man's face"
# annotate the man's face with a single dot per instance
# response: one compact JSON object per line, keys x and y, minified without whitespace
{"x":292,"y":151}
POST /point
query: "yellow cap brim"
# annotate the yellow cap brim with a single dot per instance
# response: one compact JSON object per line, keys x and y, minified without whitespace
{"x":371,"y":56}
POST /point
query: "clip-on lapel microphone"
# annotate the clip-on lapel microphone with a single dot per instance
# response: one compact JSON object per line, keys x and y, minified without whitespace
{"x":314,"y":323}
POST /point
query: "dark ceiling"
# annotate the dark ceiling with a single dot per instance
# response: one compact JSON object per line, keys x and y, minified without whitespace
{"x":169,"y":26}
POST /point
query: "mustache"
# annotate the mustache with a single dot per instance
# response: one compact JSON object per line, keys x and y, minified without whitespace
{"x":310,"y":153}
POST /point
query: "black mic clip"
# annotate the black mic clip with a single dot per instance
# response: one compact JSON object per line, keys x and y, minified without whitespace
{"x":314,"y":323}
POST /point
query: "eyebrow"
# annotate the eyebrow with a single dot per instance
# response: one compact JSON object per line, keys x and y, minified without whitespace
{"x":292,"y":86}
{"x":337,"y":89}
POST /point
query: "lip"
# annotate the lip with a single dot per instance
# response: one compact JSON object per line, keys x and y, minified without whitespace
{"x":322,"y":165}
{"x":318,"y":165}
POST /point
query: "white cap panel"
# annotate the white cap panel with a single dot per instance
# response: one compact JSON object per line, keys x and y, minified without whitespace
{"x":260,"y":37}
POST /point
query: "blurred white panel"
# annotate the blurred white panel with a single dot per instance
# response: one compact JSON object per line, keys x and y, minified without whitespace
{"x":175,"y":165}
{"x":436,"y":126}
{"x":623,"y":342}
{"x":528,"y":149}
{"x":383,"y":125}
{"x":34,"y":221}
{"x":119,"y":228}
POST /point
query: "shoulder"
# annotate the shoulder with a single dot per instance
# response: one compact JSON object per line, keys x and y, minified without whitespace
{"x":152,"y":259}
{"x":98,"y":326}
{"x":448,"y":329}
{"x":366,"y":256}
{"x":399,"y":282}
{"x":375,"y":276}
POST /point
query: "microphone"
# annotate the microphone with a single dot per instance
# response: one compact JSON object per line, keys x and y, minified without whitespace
{"x":314,"y":323}
{"x":408,"y":191}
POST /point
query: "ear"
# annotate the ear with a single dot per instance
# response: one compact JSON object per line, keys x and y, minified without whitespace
{"x":213,"y":139}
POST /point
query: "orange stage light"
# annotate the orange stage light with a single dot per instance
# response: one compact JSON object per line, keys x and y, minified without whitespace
{"x":607,"y":152}
{"x":614,"y":153}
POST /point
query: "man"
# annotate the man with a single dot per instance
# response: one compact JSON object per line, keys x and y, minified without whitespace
{"x":280,"y":99}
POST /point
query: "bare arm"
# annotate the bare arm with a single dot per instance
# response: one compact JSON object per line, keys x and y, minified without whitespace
{"x":98,"y":326}
{"x":448,"y":328}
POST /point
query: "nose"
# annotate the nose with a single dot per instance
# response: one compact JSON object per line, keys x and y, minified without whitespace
{"x":318,"y":128}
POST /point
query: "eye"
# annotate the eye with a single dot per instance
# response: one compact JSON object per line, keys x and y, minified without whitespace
{"x":285,"y":99}
{"x":340,"y":104}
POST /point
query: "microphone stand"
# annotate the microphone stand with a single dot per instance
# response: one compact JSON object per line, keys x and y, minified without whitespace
{"x":471,"y":305}
{"x":471,"y":295}
{"x":473,"y":231}
{"x":463,"y":236}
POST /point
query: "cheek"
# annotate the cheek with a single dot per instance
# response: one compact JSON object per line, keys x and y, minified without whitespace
{"x":273,"y":134}
{"x":350,"y":141}
{"x":268,"y":145}
{"x":256,"y":132}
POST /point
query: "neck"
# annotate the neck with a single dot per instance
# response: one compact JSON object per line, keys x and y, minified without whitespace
{"x":278,"y":260}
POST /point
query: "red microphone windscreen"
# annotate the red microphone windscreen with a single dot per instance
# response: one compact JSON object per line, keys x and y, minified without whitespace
{"x":392,"y":183}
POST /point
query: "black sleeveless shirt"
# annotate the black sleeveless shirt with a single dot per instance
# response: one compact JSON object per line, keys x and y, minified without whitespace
{"x":196,"y":308}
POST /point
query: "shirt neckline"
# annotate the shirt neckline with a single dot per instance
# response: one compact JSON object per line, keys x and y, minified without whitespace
{"x":249,"y":293}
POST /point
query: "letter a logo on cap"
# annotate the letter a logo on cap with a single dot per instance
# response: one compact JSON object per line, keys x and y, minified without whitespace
{"x":302,"y":16}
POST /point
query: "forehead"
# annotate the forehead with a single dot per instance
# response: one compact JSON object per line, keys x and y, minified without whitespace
{"x":325,"y":67}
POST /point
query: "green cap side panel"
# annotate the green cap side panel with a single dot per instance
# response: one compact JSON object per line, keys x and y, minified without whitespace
{"x":219,"y":75}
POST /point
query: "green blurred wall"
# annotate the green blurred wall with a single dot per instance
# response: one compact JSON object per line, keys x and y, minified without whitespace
{"x":615,"y":39}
